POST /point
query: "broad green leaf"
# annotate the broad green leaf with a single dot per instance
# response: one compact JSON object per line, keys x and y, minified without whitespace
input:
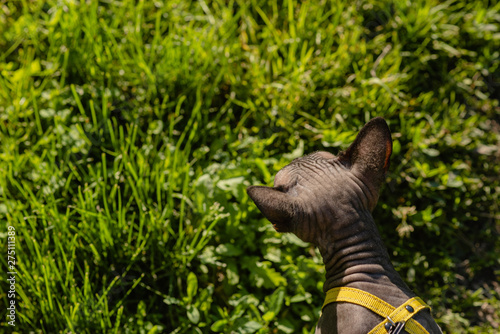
{"x":276,"y":300}
{"x":219,"y":326}
{"x":193,"y":314}
{"x":192,"y":286}
{"x":250,"y":327}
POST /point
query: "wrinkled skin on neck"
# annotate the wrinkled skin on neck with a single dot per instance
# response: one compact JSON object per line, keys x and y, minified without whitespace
{"x":333,"y":211}
{"x":327,"y":200}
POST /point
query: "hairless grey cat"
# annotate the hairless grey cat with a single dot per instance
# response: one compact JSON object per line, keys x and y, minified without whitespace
{"x":327,"y":200}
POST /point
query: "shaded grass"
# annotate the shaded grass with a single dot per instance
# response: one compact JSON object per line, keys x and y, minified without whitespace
{"x":129,"y":132}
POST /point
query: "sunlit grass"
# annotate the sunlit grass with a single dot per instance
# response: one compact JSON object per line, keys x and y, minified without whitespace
{"x":130,"y":130}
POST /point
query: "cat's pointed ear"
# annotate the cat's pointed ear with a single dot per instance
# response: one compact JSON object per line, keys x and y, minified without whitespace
{"x":370,"y":152}
{"x":277,"y":207}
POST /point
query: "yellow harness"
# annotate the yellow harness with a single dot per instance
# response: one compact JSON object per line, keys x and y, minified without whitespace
{"x":395,"y":318}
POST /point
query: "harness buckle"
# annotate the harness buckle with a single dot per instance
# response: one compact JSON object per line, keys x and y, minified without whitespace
{"x":394,"y":327}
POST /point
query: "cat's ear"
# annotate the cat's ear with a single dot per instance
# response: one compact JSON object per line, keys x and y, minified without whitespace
{"x":277,"y":207}
{"x":370,"y":152}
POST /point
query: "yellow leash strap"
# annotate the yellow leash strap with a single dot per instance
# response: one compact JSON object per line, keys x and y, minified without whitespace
{"x":392,"y":315}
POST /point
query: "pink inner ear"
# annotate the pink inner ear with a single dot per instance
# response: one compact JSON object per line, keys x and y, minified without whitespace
{"x":388,"y":151}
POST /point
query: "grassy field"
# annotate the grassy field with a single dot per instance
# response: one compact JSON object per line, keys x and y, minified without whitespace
{"x":129,"y":131}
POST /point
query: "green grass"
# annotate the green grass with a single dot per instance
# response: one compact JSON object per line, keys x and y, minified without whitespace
{"x":129,"y":131}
